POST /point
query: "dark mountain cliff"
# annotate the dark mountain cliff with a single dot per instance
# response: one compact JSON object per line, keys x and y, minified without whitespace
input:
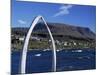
{"x":59,"y":29}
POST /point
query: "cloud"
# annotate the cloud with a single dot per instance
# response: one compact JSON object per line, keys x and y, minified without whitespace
{"x":22,"y":21}
{"x":63,"y":10}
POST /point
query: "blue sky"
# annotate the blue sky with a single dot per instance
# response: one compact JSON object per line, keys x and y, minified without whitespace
{"x":79,"y":15}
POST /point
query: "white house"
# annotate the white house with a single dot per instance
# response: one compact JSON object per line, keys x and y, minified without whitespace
{"x":21,"y":38}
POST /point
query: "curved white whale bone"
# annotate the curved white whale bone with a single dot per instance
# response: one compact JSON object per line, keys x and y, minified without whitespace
{"x":25,"y":47}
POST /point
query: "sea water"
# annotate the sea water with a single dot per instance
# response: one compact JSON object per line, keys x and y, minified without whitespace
{"x":39,"y":61}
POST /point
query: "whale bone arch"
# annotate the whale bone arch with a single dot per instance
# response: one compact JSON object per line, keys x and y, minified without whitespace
{"x":26,"y":42}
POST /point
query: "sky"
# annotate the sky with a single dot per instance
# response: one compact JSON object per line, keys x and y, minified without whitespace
{"x":22,"y":14}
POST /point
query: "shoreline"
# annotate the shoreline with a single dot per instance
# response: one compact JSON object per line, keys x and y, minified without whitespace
{"x":94,"y":49}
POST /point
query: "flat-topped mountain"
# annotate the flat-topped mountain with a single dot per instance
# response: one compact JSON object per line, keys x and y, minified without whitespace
{"x":59,"y":29}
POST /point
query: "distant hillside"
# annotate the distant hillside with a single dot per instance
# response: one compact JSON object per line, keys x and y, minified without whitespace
{"x":59,"y":29}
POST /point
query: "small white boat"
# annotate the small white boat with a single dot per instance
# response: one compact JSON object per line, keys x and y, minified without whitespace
{"x":37,"y":55}
{"x":79,"y":50}
{"x":57,"y":50}
{"x":46,"y":50}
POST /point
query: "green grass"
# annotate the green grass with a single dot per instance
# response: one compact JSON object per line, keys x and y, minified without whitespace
{"x":43,"y":44}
